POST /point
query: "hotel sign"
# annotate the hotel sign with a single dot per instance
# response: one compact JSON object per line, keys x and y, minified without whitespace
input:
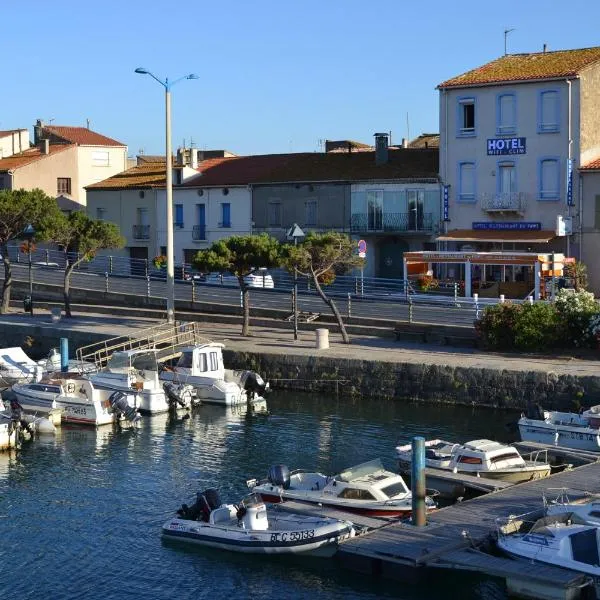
{"x":501,"y":146}
{"x":507,"y":226}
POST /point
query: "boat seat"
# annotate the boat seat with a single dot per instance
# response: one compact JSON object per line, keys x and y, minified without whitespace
{"x":220,"y":515}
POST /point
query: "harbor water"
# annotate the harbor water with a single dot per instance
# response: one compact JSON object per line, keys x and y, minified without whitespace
{"x":81,"y":512}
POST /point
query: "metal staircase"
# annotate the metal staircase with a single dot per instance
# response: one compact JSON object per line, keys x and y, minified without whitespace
{"x":168,"y":339}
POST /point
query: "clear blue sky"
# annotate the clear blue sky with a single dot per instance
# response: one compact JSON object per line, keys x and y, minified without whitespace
{"x":275,"y":76}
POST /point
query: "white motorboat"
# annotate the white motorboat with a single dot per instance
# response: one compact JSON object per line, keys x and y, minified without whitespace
{"x":15,"y":429}
{"x":252,"y":527}
{"x":136,"y":371}
{"x":555,"y":428}
{"x":16,"y":367}
{"x":202,"y":367}
{"x":563,"y":540}
{"x":587,"y":512}
{"x":483,"y":458}
{"x":78,"y":400}
{"x":366,"y":489}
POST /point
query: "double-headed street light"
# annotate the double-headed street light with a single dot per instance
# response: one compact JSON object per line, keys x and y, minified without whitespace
{"x":169,"y":186}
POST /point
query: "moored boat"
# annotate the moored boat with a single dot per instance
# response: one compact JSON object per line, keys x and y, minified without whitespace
{"x":367,"y":489}
{"x":252,"y":527}
{"x":483,"y":458}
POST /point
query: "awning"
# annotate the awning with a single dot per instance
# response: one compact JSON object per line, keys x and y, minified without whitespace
{"x":509,"y":236}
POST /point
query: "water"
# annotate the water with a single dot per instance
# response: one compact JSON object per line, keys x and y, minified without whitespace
{"x":80,"y":513}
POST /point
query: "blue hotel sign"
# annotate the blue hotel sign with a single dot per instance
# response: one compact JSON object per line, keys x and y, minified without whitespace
{"x":501,"y":146}
{"x":507,"y":226}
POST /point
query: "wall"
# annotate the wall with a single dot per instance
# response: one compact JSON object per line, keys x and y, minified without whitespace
{"x":590,"y":118}
{"x":590,"y":185}
{"x":14,"y":142}
{"x":90,"y":173}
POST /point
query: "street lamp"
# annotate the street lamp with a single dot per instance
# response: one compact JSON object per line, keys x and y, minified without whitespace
{"x":28,"y":234}
{"x":169,"y":185}
{"x":293,"y":234}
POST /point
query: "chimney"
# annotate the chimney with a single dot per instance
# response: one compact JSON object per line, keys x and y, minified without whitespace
{"x":37,"y":131}
{"x":180,"y":157}
{"x":193,"y":164}
{"x":44,"y":145}
{"x":404,"y":143}
{"x":381,"y":148}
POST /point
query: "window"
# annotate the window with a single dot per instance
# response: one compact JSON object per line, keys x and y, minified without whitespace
{"x":466,"y":117}
{"x":178,"y":221}
{"x":100,"y":214}
{"x":506,"y":180}
{"x":394,"y":489}
{"x":310,"y":212}
{"x":214,"y":363}
{"x":274,"y":214}
{"x":63,"y":185}
{"x":466,"y":182}
{"x":416,"y":201}
{"x":226,"y":214}
{"x":506,"y":114}
{"x":100,"y":158}
{"x":375,"y":210}
{"x":597,"y":212}
{"x":199,"y":232}
{"x":356,"y":494}
{"x":202,"y":363}
{"x":549,"y":179}
{"x":469,"y":460}
{"x":548,"y":112}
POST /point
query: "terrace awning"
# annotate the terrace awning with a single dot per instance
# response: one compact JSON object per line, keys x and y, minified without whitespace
{"x":508,"y":236}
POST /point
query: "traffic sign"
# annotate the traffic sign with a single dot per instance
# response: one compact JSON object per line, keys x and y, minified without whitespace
{"x":362,"y":248}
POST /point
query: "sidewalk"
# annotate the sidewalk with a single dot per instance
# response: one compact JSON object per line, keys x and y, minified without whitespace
{"x":281,"y":341}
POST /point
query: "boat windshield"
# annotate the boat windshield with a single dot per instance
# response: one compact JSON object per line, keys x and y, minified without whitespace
{"x":185,"y":360}
{"x":362,"y":470}
{"x":120,"y":361}
{"x":251,"y":500}
{"x":395,"y":489}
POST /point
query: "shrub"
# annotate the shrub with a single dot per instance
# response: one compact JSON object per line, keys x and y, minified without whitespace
{"x":427,"y":282}
{"x":577,"y":271}
{"x":537,"y":327}
{"x":496,"y":326}
{"x":575,"y":309}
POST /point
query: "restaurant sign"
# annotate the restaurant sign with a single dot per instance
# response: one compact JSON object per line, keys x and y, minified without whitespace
{"x":507,"y":226}
{"x":500,"y":146}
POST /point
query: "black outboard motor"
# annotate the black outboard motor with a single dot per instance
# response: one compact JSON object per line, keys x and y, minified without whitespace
{"x":178,"y":394}
{"x":534,"y":411}
{"x":279,"y":475}
{"x":253,"y":383}
{"x":118,"y":402}
{"x":212,"y":498}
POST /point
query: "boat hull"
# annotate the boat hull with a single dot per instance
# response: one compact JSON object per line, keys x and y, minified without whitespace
{"x":579,"y":438}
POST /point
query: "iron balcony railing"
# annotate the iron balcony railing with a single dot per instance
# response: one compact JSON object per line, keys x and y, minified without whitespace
{"x":504,"y":202}
{"x":410,"y":221}
{"x":199,"y":232}
{"x":141,"y":232}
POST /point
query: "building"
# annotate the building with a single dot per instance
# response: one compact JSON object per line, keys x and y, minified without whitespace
{"x":588,"y":224}
{"x":512,"y":134}
{"x":61,"y":161}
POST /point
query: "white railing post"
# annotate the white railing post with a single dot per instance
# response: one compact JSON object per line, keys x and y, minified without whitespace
{"x":501,"y":298}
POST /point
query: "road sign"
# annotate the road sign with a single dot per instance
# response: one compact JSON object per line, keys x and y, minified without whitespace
{"x":362,"y":248}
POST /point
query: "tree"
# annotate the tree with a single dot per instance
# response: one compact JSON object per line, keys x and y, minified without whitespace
{"x":240,"y":255}
{"x":18,"y":209}
{"x":80,"y":237}
{"x":320,"y":257}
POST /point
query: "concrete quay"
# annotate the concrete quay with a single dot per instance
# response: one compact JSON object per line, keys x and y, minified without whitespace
{"x":372,"y":366}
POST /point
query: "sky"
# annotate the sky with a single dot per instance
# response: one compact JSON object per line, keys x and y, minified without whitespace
{"x":274,"y":76}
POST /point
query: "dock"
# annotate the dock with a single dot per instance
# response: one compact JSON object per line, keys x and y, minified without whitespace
{"x":460,"y":537}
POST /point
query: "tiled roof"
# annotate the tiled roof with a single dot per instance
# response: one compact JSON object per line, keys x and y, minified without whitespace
{"x":150,"y":175}
{"x":426,"y":140}
{"x":21,"y":159}
{"x":143,"y":159}
{"x":593,"y":165}
{"x":78,"y":135}
{"x":317,"y":166}
{"x":524,"y":67}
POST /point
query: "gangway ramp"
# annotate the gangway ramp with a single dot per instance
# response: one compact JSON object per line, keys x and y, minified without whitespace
{"x":167,"y":338}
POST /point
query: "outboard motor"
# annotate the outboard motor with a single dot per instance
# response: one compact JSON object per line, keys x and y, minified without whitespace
{"x":254,"y":515}
{"x":212,"y":497}
{"x":119,"y":404}
{"x":178,"y":395}
{"x":279,"y":475}
{"x":253,"y":383}
{"x":534,"y":411}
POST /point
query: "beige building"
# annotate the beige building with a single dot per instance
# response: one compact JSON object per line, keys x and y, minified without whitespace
{"x":513,"y":134}
{"x":589,"y":225}
{"x":61,"y":161}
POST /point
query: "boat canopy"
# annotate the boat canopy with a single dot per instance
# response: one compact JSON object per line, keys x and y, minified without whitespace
{"x":362,"y":470}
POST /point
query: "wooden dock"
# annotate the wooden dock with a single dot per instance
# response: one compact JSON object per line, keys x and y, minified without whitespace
{"x":456,"y":537}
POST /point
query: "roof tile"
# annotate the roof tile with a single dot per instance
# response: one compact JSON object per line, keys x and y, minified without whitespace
{"x":21,"y":159}
{"x":79,"y":135}
{"x":593,"y":165}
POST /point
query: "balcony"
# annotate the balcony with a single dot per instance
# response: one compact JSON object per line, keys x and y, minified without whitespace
{"x":409,"y":222}
{"x":199,"y":233}
{"x":141,"y":232}
{"x":508,"y":202}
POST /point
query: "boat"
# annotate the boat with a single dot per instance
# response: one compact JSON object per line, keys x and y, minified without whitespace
{"x":77,"y":399}
{"x":588,"y":512}
{"x":482,"y":458}
{"x":562,"y":540}
{"x":136,"y":372}
{"x":252,"y":527}
{"x":14,"y":429}
{"x":579,"y":431}
{"x":366,"y":489}
{"x":202,"y":367}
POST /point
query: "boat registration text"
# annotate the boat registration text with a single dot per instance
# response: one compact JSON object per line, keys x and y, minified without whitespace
{"x":293,"y":536}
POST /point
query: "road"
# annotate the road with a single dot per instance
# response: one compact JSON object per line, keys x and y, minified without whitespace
{"x":424,"y":309}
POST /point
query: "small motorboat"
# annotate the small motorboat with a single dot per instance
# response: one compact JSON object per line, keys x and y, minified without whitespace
{"x":17,"y":367}
{"x":15,"y":428}
{"x":587,"y":512}
{"x":483,"y":458}
{"x":568,"y":430}
{"x":563,"y":540}
{"x":366,"y":489}
{"x":202,"y":367}
{"x":252,"y":527}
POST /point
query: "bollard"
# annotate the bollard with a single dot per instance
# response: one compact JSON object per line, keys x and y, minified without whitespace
{"x":418,"y":481}
{"x":349,"y":305}
{"x":64,"y":354}
{"x":106,"y":282}
{"x":501,"y":298}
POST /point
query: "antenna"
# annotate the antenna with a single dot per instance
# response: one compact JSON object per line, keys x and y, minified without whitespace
{"x":506,"y":32}
{"x":407,"y":127}
{"x":87,"y":123}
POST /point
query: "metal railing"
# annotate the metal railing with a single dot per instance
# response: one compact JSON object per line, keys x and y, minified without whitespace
{"x":140,"y":232}
{"x":507,"y":201}
{"x":392,"y":222}
{"x":199,"y":233}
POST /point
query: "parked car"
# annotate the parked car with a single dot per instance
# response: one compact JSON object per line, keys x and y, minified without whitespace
{"x":259,"y":279}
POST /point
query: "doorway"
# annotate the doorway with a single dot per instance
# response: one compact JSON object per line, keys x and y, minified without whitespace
{"x":391,"y":264}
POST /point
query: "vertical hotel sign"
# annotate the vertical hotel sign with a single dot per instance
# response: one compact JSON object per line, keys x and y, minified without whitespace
{"x":446,"y":202}
{"x":570,"y":182}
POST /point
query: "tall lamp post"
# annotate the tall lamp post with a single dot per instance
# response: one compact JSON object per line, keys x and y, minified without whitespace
{"x":28,"y":234}
{"x":295,"y":233}
{"x":169,"y":185}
